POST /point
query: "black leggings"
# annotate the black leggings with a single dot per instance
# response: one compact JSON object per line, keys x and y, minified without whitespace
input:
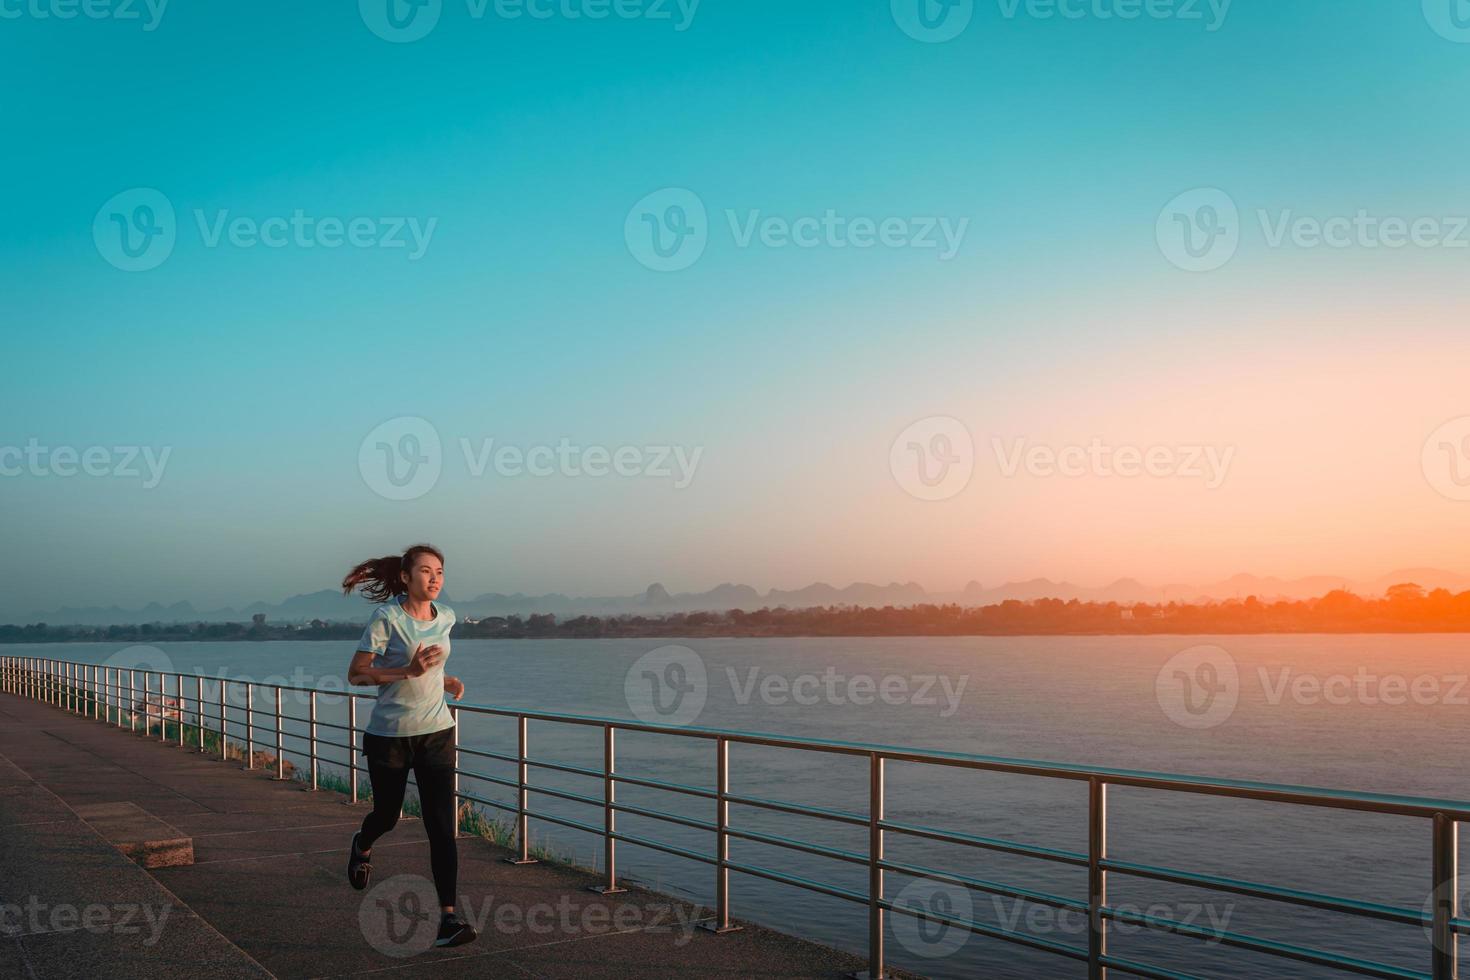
{"x":431,"y":757}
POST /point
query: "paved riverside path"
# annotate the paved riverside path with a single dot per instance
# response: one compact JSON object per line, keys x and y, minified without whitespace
{"x":267,"y":894}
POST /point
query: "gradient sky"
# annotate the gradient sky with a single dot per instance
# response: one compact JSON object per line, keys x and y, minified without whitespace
{"x":529,"y":318}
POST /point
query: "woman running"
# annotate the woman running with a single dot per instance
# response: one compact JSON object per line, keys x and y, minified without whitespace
{"x":403,"y":651}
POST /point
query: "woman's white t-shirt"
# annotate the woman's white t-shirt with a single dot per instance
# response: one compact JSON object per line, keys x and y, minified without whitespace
{"x":414,"y":705}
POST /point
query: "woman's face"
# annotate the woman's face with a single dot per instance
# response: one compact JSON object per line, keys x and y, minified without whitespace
{"x":425,"y":578}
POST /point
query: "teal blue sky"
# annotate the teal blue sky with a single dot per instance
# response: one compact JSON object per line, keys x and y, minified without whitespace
{"x":529,"y":317}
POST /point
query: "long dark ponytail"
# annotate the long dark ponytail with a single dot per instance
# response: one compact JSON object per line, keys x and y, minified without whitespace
{"x":380,"y":578}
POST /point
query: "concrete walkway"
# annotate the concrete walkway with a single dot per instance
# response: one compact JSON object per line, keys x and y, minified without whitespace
{"x":267,"y":893}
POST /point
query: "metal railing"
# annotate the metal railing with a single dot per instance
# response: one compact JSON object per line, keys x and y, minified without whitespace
{"x":94,"y":689}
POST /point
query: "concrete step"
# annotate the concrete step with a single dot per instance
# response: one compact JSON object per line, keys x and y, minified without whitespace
{"x":138,"y":834}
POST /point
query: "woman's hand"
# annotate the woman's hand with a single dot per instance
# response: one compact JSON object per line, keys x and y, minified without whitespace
{"x":453,"y":687}
{"x":424,"y":659}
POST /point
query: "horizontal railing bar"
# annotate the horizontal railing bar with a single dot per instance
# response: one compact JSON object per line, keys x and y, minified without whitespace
{"x":842,"y":816}
{"x":796,"y":845}
{"x":990,"y":887}
{"x":565,"y":822}
{"x":1257,"y":944}
{"x":673,"y":849}
{"x":564,"y":767}
{"x":1147,"y":972}
{"x":1292,"y":896}
{"x":664,"y":815}
{"x":699,"y":791}
{"x":562,"y":794}
{"x":799,"y":882}
{"x":497,"y":780}
{"x":488,"y":802}
{"x":988,"y":843}
{"x":1458,"y":810}
{"x":993,"y":932}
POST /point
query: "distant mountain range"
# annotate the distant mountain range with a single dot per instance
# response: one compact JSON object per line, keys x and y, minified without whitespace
{"x":331,"y":605}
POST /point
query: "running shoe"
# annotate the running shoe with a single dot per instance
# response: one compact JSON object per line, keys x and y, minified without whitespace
{"x":358,"y":868}
{"x":454,"y":931}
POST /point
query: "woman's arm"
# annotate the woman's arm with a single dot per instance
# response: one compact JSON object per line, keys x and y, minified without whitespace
{"x":362,"y":671}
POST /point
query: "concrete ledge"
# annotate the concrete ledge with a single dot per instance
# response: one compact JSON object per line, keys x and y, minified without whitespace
{"x":138,"y":834}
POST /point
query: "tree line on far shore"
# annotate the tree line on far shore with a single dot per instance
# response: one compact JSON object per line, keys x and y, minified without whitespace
{"x":1405,"y":608}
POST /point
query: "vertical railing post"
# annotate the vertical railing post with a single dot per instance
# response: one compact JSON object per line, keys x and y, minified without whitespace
{"x":311,"y":718}
{"x":876,"y":967}
{"x":722,"y":840}
{"x":132,"y":700}
{"x":96,"y":673}
{"x":249,"y":726}
{"x":199,"y":711}
{"x":280,"y":740}
{"x":609,"y":815}
{"x":1097,"y":877}
{"x":179,"y":697}
{"x":1445,"y":859}
{"x":454,"y":713}
{"x":352,"y":745}
{"x":523,"y":818}
{"x":224,"y":736}
{"x":162,"y":715}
